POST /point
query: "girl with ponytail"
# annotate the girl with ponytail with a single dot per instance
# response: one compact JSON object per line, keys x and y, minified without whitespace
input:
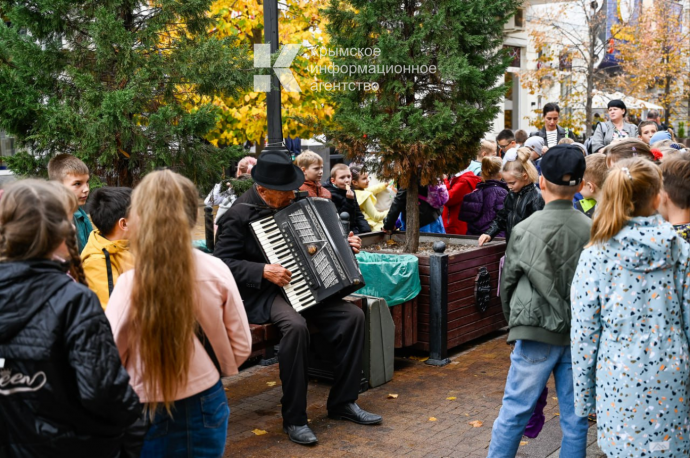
{"x":64,"y":377}
{"x":480,"y":207}
{"x":524,"y":197}
{"x":631,"y":320}
{"x":157,"y":311}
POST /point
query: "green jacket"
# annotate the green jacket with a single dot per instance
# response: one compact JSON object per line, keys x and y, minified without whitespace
{"x":83,"y":226}
{"x":541,"y":259}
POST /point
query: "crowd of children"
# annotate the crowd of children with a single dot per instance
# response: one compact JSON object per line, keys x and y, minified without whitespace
{"x":595,"y":287}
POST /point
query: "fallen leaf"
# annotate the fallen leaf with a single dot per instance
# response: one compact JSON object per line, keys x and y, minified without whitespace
{"x":524,"y":442}
{"x":259,"y":432}
{"x":557,"y":414}
{"x":467,"y":415}
{"x":226,"y":388}
{"x":432,"y":418}
{"x":271,"y":383}
{"x":554,"y":398}
{"x":452,"y":398}
{"x":476,"y":423}
{"x":392,"y":396}
{"x":419,"y":358}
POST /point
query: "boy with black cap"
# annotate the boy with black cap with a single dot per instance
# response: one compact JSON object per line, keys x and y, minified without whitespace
{"x":541,"y":259}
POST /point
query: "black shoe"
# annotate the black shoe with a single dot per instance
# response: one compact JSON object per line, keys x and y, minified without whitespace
{"x":302,"y":435}
{"x":353,"y":413}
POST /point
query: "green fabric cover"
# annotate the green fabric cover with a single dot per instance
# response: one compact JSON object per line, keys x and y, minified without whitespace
{"x":392,"y":277}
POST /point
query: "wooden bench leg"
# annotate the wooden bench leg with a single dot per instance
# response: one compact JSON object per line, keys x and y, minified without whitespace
{"x":269,"y":357}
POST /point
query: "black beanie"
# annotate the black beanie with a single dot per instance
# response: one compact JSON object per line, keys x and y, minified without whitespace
{"x":618,"y":104}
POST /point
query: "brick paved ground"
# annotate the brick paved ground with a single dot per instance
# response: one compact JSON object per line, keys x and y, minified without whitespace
{"x":475,"y":378}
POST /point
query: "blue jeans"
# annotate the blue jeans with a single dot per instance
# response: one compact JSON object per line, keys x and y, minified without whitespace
{"x":198,"y":427}
{"x":531,"y":364}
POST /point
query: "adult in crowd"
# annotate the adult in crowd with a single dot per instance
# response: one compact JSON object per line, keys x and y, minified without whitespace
{"x":505,"y":140}
{"x":341,"y":323}
{"x":653,"y":115}
{"x":615,"y":128}
{"x":156,"y":311}
{"x":245,"y":165}
{"x":552,"y":133}
{"x":63,"y":390}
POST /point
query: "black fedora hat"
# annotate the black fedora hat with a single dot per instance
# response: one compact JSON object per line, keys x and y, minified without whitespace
{"x":273,"y":170}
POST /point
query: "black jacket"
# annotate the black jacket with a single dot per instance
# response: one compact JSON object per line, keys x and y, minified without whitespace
{"x":63,"y":390}
{"x":560,"y":134}
{"x":517,"y":207}
{"x":427,"y":213}
{"x":358,"y":224}
{"x":236,"y":247}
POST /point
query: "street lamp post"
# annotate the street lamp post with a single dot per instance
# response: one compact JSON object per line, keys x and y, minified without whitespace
{"x":273,"y":104}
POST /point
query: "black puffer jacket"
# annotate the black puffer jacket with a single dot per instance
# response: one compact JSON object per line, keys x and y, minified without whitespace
{"x":427,"y":213}
{"x":63,"y":390}
{"x":358,"y":224}
{"x":517,"y":207}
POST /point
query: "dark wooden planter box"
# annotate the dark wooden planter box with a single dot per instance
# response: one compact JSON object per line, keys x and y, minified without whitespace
{"x":445,"y":315}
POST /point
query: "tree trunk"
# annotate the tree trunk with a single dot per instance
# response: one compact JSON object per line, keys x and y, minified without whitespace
{"x":412,"y":210}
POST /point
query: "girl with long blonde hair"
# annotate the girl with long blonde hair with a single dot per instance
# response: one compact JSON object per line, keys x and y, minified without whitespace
{"x":155,"y":312}
{"x":631,"y":320}
{"x":524,"y":197}
{"x":62,"y":376}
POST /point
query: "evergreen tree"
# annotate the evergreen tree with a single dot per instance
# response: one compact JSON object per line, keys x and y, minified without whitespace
{"x":113,"y":81}
{"x":426,"y":116}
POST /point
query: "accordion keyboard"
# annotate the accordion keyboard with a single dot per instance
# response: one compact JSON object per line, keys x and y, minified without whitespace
{"x":280,"y":251}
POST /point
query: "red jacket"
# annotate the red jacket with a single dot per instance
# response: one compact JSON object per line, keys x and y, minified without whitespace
{"x":315,"y":189}
{"x":458,"y":187}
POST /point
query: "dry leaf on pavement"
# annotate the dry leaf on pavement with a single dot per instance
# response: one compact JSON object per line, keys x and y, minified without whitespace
{"x":452,"y":398}
{"x":259,"y":432}
{"x":476,"y":423}
{"x":432,"y":418}
{"x":271,"y":383}
{"x":392,"y":396}
{"x":523,"y":442}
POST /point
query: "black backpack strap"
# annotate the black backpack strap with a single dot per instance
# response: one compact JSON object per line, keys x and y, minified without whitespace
{"x":109,"y":269}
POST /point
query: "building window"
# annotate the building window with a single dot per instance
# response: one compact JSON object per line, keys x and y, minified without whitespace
{"x":515,"y":53}
{"x":519,"y":18}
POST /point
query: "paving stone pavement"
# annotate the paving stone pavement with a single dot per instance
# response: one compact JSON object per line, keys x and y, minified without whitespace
{"x":429,"y":418}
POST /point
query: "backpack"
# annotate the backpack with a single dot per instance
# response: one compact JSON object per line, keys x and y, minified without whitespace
{"x":588,"y":142}
{"x":437,"y":195}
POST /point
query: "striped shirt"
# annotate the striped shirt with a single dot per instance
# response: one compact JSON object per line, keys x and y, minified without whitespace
{"x":551,"y":137}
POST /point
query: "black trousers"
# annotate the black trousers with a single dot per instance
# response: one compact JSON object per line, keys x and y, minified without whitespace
{"x":342,"y":325}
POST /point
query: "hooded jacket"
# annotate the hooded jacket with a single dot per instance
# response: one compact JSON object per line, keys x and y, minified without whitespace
{"x":541,"y":259}
{"x":517,"y":207}
{"x":479,"y":208}
{"x":458,"y":187}
{"x":358,"y":224}
{"x":102,"y":272}
{"x":63,"y":390}
{"x":629,"y":338}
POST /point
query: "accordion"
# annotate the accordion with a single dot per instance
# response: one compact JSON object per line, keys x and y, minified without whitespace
{"x":308,"y":239}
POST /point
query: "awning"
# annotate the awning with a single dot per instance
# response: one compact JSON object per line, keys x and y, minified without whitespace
{"x":600,"y":100}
